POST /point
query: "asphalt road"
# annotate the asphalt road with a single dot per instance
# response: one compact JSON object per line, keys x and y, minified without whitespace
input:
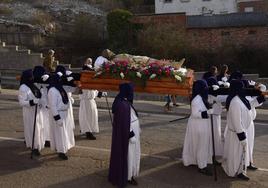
{"x":88,"y":162}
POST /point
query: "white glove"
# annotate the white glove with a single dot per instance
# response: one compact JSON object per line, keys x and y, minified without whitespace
{"x":60,"y":74}
{"x":226,"y":84}
{"x":59,"y":122}
{"x":210,"y":111}
{"x":68,"y":73}
{"x":132,"y":140}
{"x":215,"y":87}
{"x":224,"y":79}
{"x":45,"y":77}
{"x":69,"y":79}
{"x":104,"y":94}
{"x":220,"y":83}
{"x":36,"y":101}
{"x":251,"y":82}
{"x":262,"y":87}
{"x":244,"y":143}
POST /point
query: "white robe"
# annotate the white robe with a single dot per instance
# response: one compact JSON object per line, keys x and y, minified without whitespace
{"x":62,"y":137}
{"x":88,"y":112}
{"x":25,"y":95}
{"x":197,"y":148}
{"x":99,"y":62}
{"x":238,"y":120}
{"x":134,"y":150}
{"x":251,"y":129}
{"x":44,"y":110}
{"x":70,"y":90}
{"x":217,"y":108}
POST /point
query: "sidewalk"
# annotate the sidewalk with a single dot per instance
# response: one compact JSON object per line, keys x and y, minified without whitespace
{"x":145,"y":106}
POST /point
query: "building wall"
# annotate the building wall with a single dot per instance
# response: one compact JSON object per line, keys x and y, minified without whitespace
{"x":214,"y":38}
{"x":252,"y":5}
{"x":195,"y":7}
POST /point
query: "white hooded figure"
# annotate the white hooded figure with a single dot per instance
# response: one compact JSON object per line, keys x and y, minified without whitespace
{"x":239,"y":118}
{"x":29,"y":97}
{"x":215,"y":98}
{"x":134,"y":150}
{"x":88,"y":113}
{"x":255,"y":102}
{"x":41,"y":82}
{"x":197,"y":148}
{"x":62,"y":135}
{"x":69,"y":87}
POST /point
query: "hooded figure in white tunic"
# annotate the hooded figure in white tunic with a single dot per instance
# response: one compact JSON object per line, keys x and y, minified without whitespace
{"x":125,"y":152}
{"x":62,"y":135}
{"x":197,"y":148}
{"x":239,"y":118}
{"x":88,"y":112}
{"x":69,"y":86}
{"x":255,"y":102}
{"x":216,"y":98}
{"x":41,"y":82}
{"x":29,"y":98}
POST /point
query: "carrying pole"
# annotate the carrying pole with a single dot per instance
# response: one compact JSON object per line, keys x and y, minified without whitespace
{"x":34,"y":125}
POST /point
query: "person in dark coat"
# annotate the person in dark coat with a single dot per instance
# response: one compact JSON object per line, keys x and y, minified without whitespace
{"x":122,"y":105}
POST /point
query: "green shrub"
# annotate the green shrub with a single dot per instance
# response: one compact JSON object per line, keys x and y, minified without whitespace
{"x":119,"y":27}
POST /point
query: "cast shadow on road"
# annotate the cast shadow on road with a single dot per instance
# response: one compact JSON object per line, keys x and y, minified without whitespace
{"x":14,"y":157}
{"x":156,"y":172}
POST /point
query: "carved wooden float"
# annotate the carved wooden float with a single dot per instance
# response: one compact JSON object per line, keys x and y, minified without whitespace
{"x":159,"y":86}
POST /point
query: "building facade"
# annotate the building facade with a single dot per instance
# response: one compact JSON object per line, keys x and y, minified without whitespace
{"x":210,"y":7}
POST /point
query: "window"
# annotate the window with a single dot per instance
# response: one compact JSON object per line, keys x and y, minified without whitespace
{"x":167,"y":1}
{"x":252,"y":32}
{"x":185,"y":1}
{"x":249,"y":9}
{"x":225,"y":33}
{"x":206,"y":0}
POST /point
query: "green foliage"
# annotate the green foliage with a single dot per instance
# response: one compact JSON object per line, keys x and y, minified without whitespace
{"x":119,"y":27}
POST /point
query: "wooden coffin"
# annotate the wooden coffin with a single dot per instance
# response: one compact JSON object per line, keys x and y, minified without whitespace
{"x":158,"y":86}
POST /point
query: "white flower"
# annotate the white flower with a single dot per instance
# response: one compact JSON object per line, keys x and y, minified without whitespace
{"x":183,"y":70}
{"x":178,"y":78}
{"x":122,"y":75}
{"x":138,"y":74}
{"x":152,"y":76}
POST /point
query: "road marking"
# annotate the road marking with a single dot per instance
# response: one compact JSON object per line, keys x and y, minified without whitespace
{"x":176,"y":160}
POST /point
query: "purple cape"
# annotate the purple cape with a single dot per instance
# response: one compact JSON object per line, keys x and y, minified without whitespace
{"x":118,"y":171}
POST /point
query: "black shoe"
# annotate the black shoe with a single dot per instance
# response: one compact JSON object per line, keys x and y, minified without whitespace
{"x":175,"y":104}
{"x":90,"y":136}
{"x":243,"y":176}
{"x":36,"y":152}
{"x":133,"y":182}
{"x":252,"y":167}
{"x":63,"y":156}
{"x":205,"y":171}
{"x":47,"y":144}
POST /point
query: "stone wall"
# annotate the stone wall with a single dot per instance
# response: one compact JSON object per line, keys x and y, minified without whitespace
{"x":12,"y":57}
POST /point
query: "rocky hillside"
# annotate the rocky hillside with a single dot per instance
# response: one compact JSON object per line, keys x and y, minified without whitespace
{"x":46,"y":14}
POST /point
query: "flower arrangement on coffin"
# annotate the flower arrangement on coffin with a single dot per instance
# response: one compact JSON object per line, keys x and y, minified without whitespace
{"x":139,"y":71}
